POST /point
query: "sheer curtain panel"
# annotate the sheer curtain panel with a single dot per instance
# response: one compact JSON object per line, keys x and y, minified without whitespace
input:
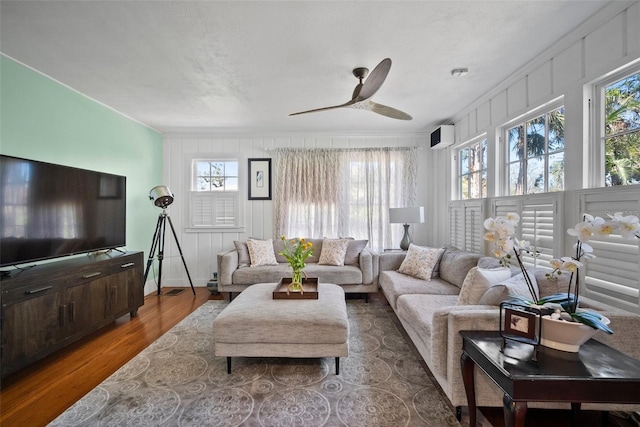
{"x":343,"y":192}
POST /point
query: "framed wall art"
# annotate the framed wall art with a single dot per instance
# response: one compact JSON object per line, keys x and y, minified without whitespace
{"x":259,"y":179}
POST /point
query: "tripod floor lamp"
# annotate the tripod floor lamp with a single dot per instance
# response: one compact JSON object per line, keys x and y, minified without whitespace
{"x":162,"y":198}
{"x":406,"y":216}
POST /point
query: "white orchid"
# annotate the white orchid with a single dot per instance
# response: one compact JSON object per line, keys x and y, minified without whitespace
{"x":500,"y":231}
{"x":628,"y":225}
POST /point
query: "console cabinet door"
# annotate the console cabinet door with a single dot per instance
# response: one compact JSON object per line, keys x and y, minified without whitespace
{"x":32,"y":324}
{"x":77,"y":312}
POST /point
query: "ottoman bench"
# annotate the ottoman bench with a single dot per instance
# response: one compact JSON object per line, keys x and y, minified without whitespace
{"x":256,"y":325}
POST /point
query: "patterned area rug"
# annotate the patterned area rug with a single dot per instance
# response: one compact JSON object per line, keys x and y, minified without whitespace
{"x":177,"y":381}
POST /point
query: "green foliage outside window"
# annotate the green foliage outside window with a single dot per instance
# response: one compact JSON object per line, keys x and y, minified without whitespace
{"x":622,"y":131}
{"x":536,"y":154}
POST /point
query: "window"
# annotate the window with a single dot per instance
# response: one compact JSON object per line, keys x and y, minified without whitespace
{"x":472,"y":171}
{"x":343,"y":192}
{"x":535,"y":158}
{"x":621,"y":124}
{"x":215,"y":175}
{"x":214,"y":196}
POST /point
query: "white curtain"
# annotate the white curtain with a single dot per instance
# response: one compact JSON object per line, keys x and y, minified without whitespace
{"x":343,"y":192}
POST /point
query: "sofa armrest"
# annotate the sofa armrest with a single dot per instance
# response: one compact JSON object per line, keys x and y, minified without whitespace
{"x":391,"y":261}
{"x":369,"y":266}
{"x":227,"y":264}
{"x":448,"y":322}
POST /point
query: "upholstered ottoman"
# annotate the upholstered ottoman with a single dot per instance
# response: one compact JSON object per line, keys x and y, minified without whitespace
{"x":256,"y":325}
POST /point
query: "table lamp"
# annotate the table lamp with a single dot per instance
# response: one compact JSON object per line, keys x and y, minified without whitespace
{"x":406,"y":216}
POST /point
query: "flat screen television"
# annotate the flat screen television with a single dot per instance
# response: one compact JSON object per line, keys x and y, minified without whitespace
{"x":49,"y":211}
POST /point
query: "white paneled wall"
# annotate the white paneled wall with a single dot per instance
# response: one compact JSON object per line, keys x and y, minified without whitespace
{"x":200,"y":249}
{"x":605,"y":43}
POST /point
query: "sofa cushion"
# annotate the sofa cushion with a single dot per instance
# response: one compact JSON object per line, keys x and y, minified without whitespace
{"x":503,"y":291}
{"x":243,"y":254}
{"x":345,"y":275}
{"x":420,"y":261}
{"x":355,"y":247}
{"x":416,"y":314}
{"x":278,"y":246}
{"x":394,"y":284}
{"x":455,"y":264}
{"x":261,"y":252}
{"x":333,"y":251}
{"x":478,"y":281}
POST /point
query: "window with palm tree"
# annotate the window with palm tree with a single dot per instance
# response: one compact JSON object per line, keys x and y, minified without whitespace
{"x":535,"y":159}
{"x":472,"y":171}
{"x":622,"y":131}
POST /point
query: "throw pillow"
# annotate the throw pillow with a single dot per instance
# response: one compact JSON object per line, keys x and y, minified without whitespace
{"x":333,"y":251}
{"x":261,"y":252}
{"x":354,"y":248}
{"x":420,"y":261}
{"x":278,"y":246}
{"x":503,"y":291}
{"x":478,"y":281}
{"x":455,"y":264}
{"x":243,"y":254}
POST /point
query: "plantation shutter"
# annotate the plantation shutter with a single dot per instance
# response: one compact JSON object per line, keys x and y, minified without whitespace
{"x":465,"y":225}
{"x":456,"y":225}
{"x":214,"y":209}
{"x":539,"y":222}
{"x":538,"y":225}
{"x":474,"y":230}
{"x":613,"y":276}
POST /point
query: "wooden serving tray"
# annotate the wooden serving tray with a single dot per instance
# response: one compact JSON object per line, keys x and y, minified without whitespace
{"x":310,"y":287}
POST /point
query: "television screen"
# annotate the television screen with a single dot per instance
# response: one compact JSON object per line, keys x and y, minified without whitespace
{"x":50,"y":211}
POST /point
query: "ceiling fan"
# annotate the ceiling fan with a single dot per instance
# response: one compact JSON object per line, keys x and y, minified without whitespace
{"x":364,"y":91}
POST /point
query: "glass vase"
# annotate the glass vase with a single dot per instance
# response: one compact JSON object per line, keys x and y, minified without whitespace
{"x":296,"y":280}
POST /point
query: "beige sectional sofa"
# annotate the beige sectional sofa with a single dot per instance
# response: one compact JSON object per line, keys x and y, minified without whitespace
{"x":432,"y":317}
{"x":357,"y":275}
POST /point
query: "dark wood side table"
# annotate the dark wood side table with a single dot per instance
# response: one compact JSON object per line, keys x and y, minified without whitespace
{"x":597,"y":373}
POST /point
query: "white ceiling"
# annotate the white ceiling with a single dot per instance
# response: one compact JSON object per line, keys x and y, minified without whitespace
{"x":243,"y":66}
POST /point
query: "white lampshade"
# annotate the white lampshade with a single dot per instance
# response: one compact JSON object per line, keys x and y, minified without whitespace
{"x":411,"y":215}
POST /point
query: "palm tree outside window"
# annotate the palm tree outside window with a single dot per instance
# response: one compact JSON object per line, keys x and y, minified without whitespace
{"x":622,"y":131}
{"x":536,"y":154}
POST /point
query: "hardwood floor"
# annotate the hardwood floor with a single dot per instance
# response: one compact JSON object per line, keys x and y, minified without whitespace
{"x":39,"y":393}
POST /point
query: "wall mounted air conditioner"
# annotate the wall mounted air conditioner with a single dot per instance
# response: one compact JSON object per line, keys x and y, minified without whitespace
{"x":442,"y":137}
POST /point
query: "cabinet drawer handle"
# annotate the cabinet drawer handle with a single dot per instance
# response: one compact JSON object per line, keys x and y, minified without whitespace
{"x":72,"y":311}
{"x":35,"y":291}
{"x":127,"y":265}
{"x":89,"y":276}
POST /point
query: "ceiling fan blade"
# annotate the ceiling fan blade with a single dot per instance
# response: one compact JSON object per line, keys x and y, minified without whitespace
{"x":388,"y":111}
{"x":346,"y":104}
{"x":356,"y":91}
{"x":375,"y":80}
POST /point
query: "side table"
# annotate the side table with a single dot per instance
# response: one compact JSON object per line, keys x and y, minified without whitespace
{"x":596,"y":374}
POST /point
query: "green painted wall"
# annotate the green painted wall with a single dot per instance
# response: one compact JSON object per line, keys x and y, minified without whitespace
{"x":43,"y":120}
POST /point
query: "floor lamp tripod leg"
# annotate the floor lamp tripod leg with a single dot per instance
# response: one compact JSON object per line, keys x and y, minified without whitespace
{"x":152,"y":251}
{"x":161,"y":251}
{"x":181,"y":256}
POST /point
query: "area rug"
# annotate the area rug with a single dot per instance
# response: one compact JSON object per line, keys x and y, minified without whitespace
{"x":177,"y":381}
